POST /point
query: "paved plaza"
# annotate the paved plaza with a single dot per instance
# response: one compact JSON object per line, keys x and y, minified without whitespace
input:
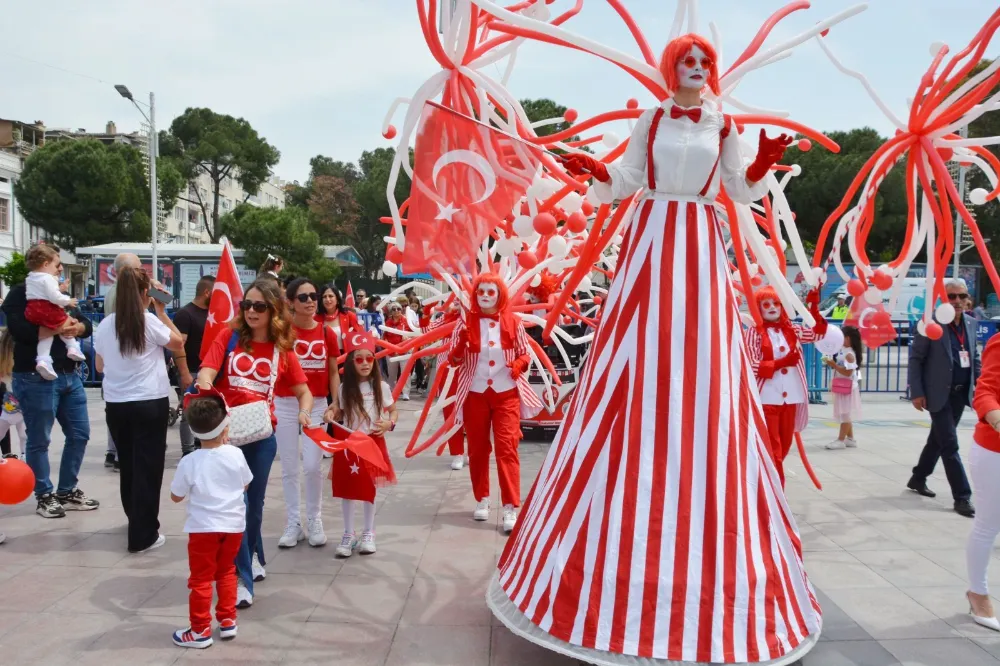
{"x":888,"y":565}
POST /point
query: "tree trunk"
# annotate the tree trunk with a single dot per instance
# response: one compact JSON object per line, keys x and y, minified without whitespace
{"x":216,"y":183}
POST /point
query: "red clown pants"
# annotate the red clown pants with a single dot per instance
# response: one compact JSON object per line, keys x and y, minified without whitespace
{"x":780,"y":430}
{"x":212,"y":558}
{"x":502,"y":412}
{"x":456,"y":443}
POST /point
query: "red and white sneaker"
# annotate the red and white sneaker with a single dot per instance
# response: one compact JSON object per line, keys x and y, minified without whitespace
{"x":189,"y":639}
{"x":227,"y":629}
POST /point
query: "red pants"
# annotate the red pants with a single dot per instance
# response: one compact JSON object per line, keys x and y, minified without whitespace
{"x":780,"y":430}
{"x":212,"y":558}
{"x":456,"y":443}
{"x":502,"y":412}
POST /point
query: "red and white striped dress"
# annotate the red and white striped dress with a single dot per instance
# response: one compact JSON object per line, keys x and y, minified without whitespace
{"x":657,"y":531}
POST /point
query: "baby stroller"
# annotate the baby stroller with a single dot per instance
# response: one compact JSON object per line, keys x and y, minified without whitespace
{"x":174,"y":377}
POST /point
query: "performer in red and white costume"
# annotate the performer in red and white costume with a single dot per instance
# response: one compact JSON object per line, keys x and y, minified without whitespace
{"x":490,"y":350}
{"x":657,"y":531}
{"x":775,"y":352}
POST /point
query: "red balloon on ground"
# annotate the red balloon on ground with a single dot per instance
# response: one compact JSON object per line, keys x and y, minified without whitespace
{"x":933,"y":330}
{"x":527,"y":259}
{"x":577,"y":222}
{"x":545,"y":224}
{"x":855,"y":288}
{"x":17,"y":481}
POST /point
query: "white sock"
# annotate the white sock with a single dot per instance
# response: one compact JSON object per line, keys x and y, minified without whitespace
{"x":369,"y":516}
{"x":348,"y":507}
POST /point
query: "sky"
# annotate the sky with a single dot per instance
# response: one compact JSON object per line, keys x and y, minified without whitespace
{"x":318,"y":76}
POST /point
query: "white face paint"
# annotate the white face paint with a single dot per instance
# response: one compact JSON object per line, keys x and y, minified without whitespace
{"x":770,"y":309}
{"x":487,"y":296}
{"x":693,"y":69}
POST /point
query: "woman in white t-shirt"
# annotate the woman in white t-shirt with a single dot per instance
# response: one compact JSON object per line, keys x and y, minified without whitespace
{"x":129,"y":345}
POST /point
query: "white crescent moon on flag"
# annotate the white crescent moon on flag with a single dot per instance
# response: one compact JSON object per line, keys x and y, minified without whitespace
{"x":110,"y":270}
{"x":356,"y":340}
{"x":470,"y":159}
{"x":224,"y":288}
{"x":864,"y":313}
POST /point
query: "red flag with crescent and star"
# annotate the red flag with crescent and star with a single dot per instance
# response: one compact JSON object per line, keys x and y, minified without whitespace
{"x":467,"y":176}
{"x":226,"y":297}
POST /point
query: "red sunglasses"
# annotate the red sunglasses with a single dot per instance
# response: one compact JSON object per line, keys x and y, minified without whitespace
{"x":690,"y":62}
{"x":362,"y":360}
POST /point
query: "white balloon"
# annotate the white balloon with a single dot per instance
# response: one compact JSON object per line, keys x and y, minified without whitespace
{"x":585,"y":284}
{"x":978,"y":196}
{"x":617,"y":239}
{"x":945,"y":313}
{"x":936,"y":47}
{"x":523,"y":226}
{"x":832,"y":342}
{"x":922,"y":327}
{"x":819,"y":274}
{"x":508,"y":247}
{"x":783,"y":244}
{"x":753,"y":269}
{"x":796,"y":170}
{"x":571,"y":203}
{"x":611,"y":139}
{"x":389,"y":269}
{"x":535,"y":281}
{"x":536,"y":191}
{"x":558,"y":246}
{"x":873,"y":295}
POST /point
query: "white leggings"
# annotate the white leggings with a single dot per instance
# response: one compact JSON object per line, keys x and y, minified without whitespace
{"x":17,"y":420}
{"x":290,"y":443}
{"x":348,"y":507}
{"x":984,"y":468}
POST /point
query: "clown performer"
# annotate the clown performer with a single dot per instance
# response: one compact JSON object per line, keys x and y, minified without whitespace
{"x":490,"y":351}
{"x":776,"y":358}
{"x":657,"y":531}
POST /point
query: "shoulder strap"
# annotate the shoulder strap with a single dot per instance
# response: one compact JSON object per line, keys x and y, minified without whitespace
{"x":723,"y":133}
{"x":650,"y":171}
{"x":275,"y":359}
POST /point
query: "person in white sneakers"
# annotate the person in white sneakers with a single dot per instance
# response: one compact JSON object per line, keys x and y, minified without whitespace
{"x":317,"y":350}
{"x":213,"y":479}
{"x":46,"y":305}
{"x":844,"y":385}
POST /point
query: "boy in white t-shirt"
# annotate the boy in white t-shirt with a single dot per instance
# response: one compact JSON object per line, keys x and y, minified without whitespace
{"x":214,"y":478}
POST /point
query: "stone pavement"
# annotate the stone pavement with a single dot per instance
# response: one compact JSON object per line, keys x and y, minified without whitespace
{"x":889,"y":568}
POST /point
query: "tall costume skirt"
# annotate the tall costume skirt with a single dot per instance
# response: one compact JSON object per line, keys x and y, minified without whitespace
{"x":657,"y":531}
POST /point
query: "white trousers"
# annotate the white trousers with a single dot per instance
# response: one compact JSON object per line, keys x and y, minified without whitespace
{"x":984,"y":468}
{"x":294,"y":447}
{"x":17,"y":421}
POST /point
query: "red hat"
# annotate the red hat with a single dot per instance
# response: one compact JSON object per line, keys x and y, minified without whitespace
{"x":358,"y":340}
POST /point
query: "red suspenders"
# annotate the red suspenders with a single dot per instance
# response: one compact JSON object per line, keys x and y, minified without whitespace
{"x":650,"y":171}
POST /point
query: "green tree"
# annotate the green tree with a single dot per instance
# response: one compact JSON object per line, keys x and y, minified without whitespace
{"x":988,"y":215}
{"x":202,"y":142}
{"x":283,"y":232}
{"x":14,"y":271}
{"x":87,"y":193}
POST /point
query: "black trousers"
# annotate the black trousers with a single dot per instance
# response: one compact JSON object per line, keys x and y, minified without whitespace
{"x":140,"y":433}
{"x":943,"y":443}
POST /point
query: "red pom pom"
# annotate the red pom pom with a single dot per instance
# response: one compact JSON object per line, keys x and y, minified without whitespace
{"x":571,"y":115}
{"x":587,"y":208}
{"x":633,"y":103}
{"x":805,"y":145}
{"x":527,"y":259}
{"x":394,"y":254}
{"x":545,"y":224}
{"x":17,"y":481}
{"x":933,"y":330}
{"x":390,"y":132}
{"x":882,"y":280}
{"x":856,"y":288}
{"x":577,"y":222}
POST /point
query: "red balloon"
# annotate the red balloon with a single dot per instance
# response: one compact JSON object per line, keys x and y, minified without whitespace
{"x":587,"y":208}
{"x":390,"y":132}
{"x":527,"y":259}
{"x":571,"y":115}
{"x":633,"y":103}
{"x":805,"y":145}
{"x":577,"y":222}
{"x":17,"y":481}
{"x":882,"y":280}
{"x":933,"y":330}
{"x":882,"y":319}
{"x":545,"y":224}
{"x":855,"y":288}
{"x":598,"y":299}
{"x":394,"y":254}
{"x":946,"y":153}
{"x":524,"y":208}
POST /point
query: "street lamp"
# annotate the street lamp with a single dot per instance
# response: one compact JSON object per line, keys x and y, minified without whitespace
{"x":153,"y":151}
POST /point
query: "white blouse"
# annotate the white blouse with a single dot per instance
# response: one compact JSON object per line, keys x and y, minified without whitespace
{"x":683,"y":155}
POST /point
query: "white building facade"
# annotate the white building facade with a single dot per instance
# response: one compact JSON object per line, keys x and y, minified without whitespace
{"x":186,"y":222}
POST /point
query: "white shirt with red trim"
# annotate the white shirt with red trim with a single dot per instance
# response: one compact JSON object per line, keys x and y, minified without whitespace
{"x":785,"y":387}
{"x":491,"y":370}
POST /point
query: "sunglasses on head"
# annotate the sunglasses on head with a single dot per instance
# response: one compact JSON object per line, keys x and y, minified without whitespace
{"x":305,"y":298}
{"x":362,"y":360}
{"x":952,"y":297}
{"x":256,"y":306}
{"x":691,"y":62}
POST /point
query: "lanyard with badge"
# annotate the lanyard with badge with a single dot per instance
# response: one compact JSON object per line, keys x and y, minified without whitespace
{"x":963,"y":354}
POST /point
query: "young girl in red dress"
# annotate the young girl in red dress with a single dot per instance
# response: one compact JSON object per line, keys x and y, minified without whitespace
{"x":367,"y":406}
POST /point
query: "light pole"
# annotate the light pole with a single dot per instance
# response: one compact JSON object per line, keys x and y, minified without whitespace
{"x":153,"y":150}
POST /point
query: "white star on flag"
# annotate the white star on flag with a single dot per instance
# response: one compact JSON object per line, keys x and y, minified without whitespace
{"x":354,"y":468}
{"x":211,"y":319}
{"x":445,"y":212}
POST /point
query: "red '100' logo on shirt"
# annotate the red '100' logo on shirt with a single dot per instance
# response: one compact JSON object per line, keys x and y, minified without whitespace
{"x":247,"y":372}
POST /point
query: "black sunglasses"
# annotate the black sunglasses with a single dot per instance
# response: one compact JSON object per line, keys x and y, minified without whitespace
{"x":952,"y":297}
{"x":305,"y":298}
{"x":256,"y":306}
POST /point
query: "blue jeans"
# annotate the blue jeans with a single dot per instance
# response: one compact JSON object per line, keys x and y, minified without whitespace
{"x":43,"y":403}
{"x":259,"y":456}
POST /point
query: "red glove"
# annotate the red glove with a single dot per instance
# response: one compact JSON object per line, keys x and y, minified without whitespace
{"x":769,"y":152}
{"x":766,"y":369}
{"x":581,"y":165}
{"x":812,"y":300}
{"x":518,"y":366}
{"x":458,"y":351}
{"x":789,"y":360}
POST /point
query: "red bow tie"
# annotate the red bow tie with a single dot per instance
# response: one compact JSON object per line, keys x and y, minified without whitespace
{"x":677,"y":112}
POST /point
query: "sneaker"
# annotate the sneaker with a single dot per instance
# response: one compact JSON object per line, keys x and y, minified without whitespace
{"x":3,"y":537}
{"x":293,"y":534}
{"x":50,"y":507}
{"x":509,"y":518}
{"x":109,"y":459}
{"x":188,"y":639}
{"x":347,"y":545}
{"x":851,"y":443}
{"x":405,"y":396}
{"x":327,"y":455}
{"x":117,"y":467}
{"x":367,"y":546}
{"x":227,"y":629}
{"x":160,"y":540}
{"x":244,"y":597}
{"x":482,"y":511}
{"x":74,"y":354}
{"x":258,"y":569}
{"x":44,"y":368}
{"x":458,"y":462}
{"x":317,"y":537}
{"x":75,"y":500}
{"x":835,"y":445}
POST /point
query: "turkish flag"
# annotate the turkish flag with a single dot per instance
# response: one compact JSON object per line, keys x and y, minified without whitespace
{"x":349,"y":298}
{"x":226,"y":297}
{"x":872,"y":321}
{"x":467,"y":177}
